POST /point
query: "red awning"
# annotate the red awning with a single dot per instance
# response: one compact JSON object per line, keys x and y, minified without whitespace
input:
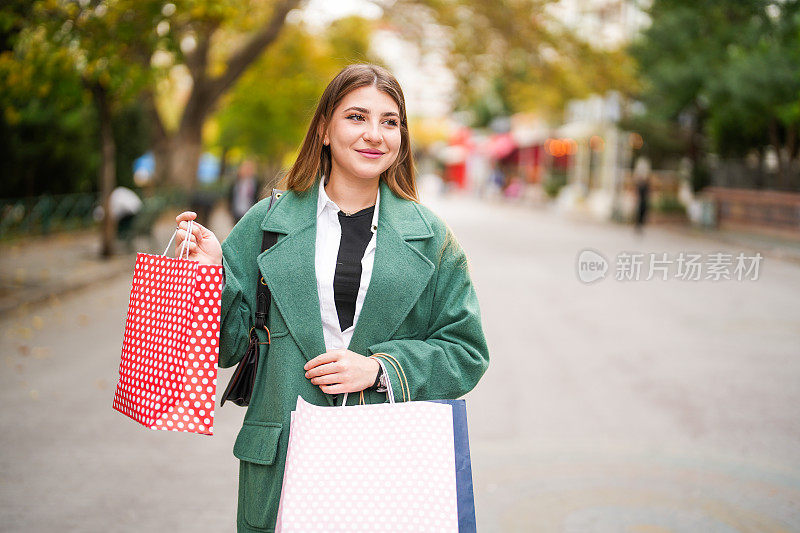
{"x":501,"y":146}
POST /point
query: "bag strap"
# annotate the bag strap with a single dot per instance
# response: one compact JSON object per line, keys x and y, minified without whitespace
{"x":263,"y":295}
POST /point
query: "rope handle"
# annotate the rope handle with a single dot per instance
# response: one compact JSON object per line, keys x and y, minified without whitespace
{"x":389,"y":392}
{"x":404,"y":379}
{"x":185,"y":244}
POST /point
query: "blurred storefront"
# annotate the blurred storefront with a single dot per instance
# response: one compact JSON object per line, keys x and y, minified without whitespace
{"x":530,"y":136}
{"x":473,"y":159}
{"x":455,"y":155}
{"x":595,"y":172}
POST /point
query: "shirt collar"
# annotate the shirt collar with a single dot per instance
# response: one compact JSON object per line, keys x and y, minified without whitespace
{"x":324,"y":201}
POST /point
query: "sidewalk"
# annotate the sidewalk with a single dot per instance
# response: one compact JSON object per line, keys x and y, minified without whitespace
{"x":773,"y":246}
{"x":768,"y":245}
{"x":43,"y":268}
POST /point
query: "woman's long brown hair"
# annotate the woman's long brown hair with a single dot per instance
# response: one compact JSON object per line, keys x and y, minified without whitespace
{"x":314,"y":158}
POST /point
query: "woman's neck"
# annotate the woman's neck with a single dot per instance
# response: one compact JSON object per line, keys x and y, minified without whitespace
{"x":353,"y":194}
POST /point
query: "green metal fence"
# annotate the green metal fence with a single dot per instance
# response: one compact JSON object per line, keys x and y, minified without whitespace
{"x":68,"y":212}
{"x":44,"y":214}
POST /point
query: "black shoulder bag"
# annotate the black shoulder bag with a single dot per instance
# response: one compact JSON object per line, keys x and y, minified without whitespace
{"x":240,"y":387}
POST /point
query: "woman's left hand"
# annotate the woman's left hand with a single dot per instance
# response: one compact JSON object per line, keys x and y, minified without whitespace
{"x":337,"y":371}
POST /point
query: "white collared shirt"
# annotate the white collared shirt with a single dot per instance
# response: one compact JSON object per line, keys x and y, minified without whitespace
{"x":329,"y":235}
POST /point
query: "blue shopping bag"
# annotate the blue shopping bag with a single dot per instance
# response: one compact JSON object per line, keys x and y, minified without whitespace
{"x":466,"y":499}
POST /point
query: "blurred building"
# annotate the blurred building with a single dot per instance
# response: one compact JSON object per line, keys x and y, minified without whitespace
{"x":594,"y":154}
{"x":599,"y":156}
{"x":428,"y":85}
{"x":607,"y":24}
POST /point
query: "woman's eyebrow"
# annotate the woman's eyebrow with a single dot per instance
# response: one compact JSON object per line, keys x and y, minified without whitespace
{"x":366,"y":111}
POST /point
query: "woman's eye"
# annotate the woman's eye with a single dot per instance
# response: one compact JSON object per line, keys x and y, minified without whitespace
{"x":359,"y":118}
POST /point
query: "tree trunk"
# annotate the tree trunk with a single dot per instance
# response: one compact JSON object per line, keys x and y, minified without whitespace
{"x":162,"y":150}
{"x":223,"y":163}
{"x":161,"y":143}
{"x":30,"y":181}
{"x":793,"y":164}
{"x":774,"y":139}
{"x":177,"y":158}
{"x":185,"y":159}
{"x":107,"y":175}
{"x":696,"y":153}
{"x":760,"y":174}
{"x":177,"y":155}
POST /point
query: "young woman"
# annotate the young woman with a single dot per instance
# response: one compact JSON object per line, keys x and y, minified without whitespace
{"x":361,"y":271}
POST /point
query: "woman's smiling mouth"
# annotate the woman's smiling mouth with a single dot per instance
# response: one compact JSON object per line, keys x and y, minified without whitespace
{"x":371,"y":154}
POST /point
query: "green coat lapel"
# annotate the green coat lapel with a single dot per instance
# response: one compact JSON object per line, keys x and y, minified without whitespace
{"x":288,"y":267}
{"x":400,"y":272}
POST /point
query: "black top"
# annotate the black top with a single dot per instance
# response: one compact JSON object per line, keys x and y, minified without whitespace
{"x":356,"y":234}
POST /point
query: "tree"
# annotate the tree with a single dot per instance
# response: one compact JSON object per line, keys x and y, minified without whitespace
{"x":756,"y":100}
{"x":210,"y":44}
{"x":727,"y":72}
{"x":510,"y":56}
{"x":267,"y":112}
{"x":95,"y":42}
{"x":47,"y":120}
{"x":101,"y":38}
{"x":199,"y":34}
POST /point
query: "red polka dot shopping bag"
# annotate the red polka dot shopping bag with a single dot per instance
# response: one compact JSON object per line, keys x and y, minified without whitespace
{"x":168,"y":371}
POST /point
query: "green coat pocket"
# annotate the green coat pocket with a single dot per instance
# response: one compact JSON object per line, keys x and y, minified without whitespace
{"x":260,"y":479}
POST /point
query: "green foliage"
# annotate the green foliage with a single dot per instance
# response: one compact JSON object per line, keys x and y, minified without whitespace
{"x":347,"y":40}
{"x":726,"y":71}
{"x":554,"y":182}
{"x":268,"y":111}
{"x":669,"y":204}
{"x":132,"y":136}
{"x":49,"y":124}
{"x":701,"y":177}
{"x":108,"y":44}
{"x":664,"y":142}
{"x":760,"y":83}
{"x":510,"y":56}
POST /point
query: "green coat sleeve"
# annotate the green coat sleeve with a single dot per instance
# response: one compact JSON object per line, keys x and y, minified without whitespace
{"x":235,"y":320}
{"x":239,"y":253}
{"x":453,"y":355}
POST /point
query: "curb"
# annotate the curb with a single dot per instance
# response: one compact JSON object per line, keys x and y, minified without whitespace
{"x":23,"y":300}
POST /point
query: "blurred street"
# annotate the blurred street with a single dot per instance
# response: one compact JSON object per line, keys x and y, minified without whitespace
{"x":644,"y":406}
{"x":624,"y":176}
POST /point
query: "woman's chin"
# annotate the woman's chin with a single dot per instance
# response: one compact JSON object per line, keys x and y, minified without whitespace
{"x":369,"y":173}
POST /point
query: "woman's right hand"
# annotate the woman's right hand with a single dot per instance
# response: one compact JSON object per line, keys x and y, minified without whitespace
{"x":203,"y":244}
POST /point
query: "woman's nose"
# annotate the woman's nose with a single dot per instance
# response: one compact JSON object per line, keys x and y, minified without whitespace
{"x":372,"y":132}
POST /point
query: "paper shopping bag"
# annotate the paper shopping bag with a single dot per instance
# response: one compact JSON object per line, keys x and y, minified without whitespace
{"x":466,"y":498}
{"x":377,"y":467}
{"x":168,"y":371}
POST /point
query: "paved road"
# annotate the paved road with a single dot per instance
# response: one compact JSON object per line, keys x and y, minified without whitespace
{"x":632,"y":407}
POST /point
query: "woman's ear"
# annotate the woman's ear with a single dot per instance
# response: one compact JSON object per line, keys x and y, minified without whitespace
{"x":322,"y":131}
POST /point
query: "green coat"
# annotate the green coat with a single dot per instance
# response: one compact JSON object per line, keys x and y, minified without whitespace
{"x":420,"y":307}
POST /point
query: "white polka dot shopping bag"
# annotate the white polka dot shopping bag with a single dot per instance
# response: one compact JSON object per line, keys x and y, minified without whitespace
{"x":168,"y":371}
{"x":389,"y":467}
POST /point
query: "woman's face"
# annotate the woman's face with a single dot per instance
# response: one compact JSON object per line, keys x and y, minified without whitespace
{"x":364,"y":134}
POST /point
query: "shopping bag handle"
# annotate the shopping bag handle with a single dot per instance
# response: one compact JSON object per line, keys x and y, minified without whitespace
{"x":185,"y":245}
{"x":389,"y":391}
